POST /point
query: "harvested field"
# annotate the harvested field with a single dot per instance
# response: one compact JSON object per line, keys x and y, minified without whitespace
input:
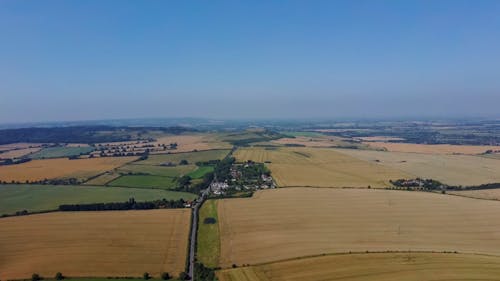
{"x":187,"y":143}
{"x":18,"y":153}
{"x":373,"y":267}
{"x":35,"y":198}
{"x":319,"y":167}
{"x":103,"y":179}
{"x":323,"y":141}
{"x":489,"y":194}
{"x":191,"y":157}
{"x":19,"y":145}
{"x":60,"y":168}
{"x":288,"y":223}
{"x":120,"y":243}
{"x":450,"y":169}
{"x":433,"y":148}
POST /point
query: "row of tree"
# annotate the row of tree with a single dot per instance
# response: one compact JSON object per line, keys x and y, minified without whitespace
{"x":131,"y":204}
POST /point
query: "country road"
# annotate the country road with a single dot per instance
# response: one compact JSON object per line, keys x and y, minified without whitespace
{"x":194,"y":231}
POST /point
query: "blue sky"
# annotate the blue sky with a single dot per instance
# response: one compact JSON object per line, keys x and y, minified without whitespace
{"x":79,"y":60}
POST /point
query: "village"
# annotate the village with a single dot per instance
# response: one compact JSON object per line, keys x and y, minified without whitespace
{"x":243,"y":177}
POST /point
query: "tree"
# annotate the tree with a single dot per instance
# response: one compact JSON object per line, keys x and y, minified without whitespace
{"x":35,"y":277}
{"x":59,"y":276}
{"x":183,"y":162}
{"x":146,"y":276}
{"x":165,"y":276}
{"x":183,"y":276}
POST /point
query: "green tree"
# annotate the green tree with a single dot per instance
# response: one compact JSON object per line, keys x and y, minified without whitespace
{"x":146,"y":276}
{"x":165,"y":276}
{"x":59,"y":276}
{"x":35,"y":277}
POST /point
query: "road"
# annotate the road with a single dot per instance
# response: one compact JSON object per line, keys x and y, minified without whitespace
{"x":194,"y":231}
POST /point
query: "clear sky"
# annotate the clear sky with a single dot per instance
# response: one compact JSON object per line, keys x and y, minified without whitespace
{"x":79,"y":60}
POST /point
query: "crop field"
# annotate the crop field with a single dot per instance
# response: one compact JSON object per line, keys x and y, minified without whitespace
{"x":56,"y":152}
{"x":103,"y":179}
{"x":60,"y":168}
{"x":208,"y":243}
{"x":19,"y":145}
{"x":144,"y":181}
{"x":200,"y":172}
{"x":489,"y":194}
{"x":373,"y":267}
{"x":288,"y":223}
{"x":100,"y":244}
{"x":191,"y":157}
{"x":320,"y":141}
{"x":157,"y":170}
{"x":34,"y":198}
{"x":450,"y":169}
{"x":18,"y":153}
{"x":433,"y":148}
{"x":317,"y":167}
{"x":187,"y":143}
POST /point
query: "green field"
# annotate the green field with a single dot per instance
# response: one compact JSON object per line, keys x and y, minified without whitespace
{"x":191,"y":157}
{"x":144,"y":181}
{"x":158,"y":170}
{"x":35,"y":198}
{"x":56,"y":152}
{"x":208,"y":244}
{"x":303,"y":134}
{"x":200,"y":172}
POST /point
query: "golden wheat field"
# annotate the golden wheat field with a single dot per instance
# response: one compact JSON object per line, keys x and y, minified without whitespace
{"x":450,"y":169}
{"x":17,"y":153}
{"x":433,"y":148}
{"x":186,"y":143}
{"x":373,"y":267}
{"x":489,"y":194}
{"x":318,"y":167}
{"x":294,"y":222}
{"x":60,"y":168}
{"x":94,"y":244}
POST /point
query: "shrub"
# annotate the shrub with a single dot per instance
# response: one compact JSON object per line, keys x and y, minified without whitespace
{"x":146,"y":276}
{"x":35,"y":277}
{"x":59,"y":276}
{"x":165,"y":276}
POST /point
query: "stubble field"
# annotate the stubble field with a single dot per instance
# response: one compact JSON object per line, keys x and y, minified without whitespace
{"x":433,"y":148}
{"x":300,"y":166}
{"x":94,"y":244}
{"x":373,"y":267}
{"x":60,"y":168}
{"x":449,"y":169}
{"x":294,"y":222}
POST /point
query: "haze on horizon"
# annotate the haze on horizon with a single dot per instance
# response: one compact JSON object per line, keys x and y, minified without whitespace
{"x":84,"y":60}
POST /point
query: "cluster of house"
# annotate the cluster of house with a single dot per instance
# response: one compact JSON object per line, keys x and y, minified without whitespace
{"x":218,"y":188}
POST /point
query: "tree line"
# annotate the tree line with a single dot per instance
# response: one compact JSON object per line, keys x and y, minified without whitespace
{"x":131,"y":204}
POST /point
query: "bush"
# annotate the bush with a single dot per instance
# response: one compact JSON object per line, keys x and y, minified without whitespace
{"x":35,"y":277}
{"x":183,"y":276}
{"x":59,"y":276}
{"x":165,"y":276}
{"x":146,"y":276}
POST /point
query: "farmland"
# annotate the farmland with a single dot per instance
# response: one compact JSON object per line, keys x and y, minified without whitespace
{"x":201,"y":171}
{"x":60,"y":168}
{"x":191,"y":142}
{"x":488,"y":194}
{"x":125,"y":243}
{"x":144,"y":181}
{"x":64,"y":151}
{"x":294,"y":222}
{"x":191,"y":157}
{"x":433,"y":148}
{"x":157,"y":170}
{"x":449,"y":169}
{"x":373,"y":267}
{"x":319,"y":167}
{"x":319,"y":141}
{"x":18,"y":153}
{"x":34,"y":198}
{"x":208,"y":243}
